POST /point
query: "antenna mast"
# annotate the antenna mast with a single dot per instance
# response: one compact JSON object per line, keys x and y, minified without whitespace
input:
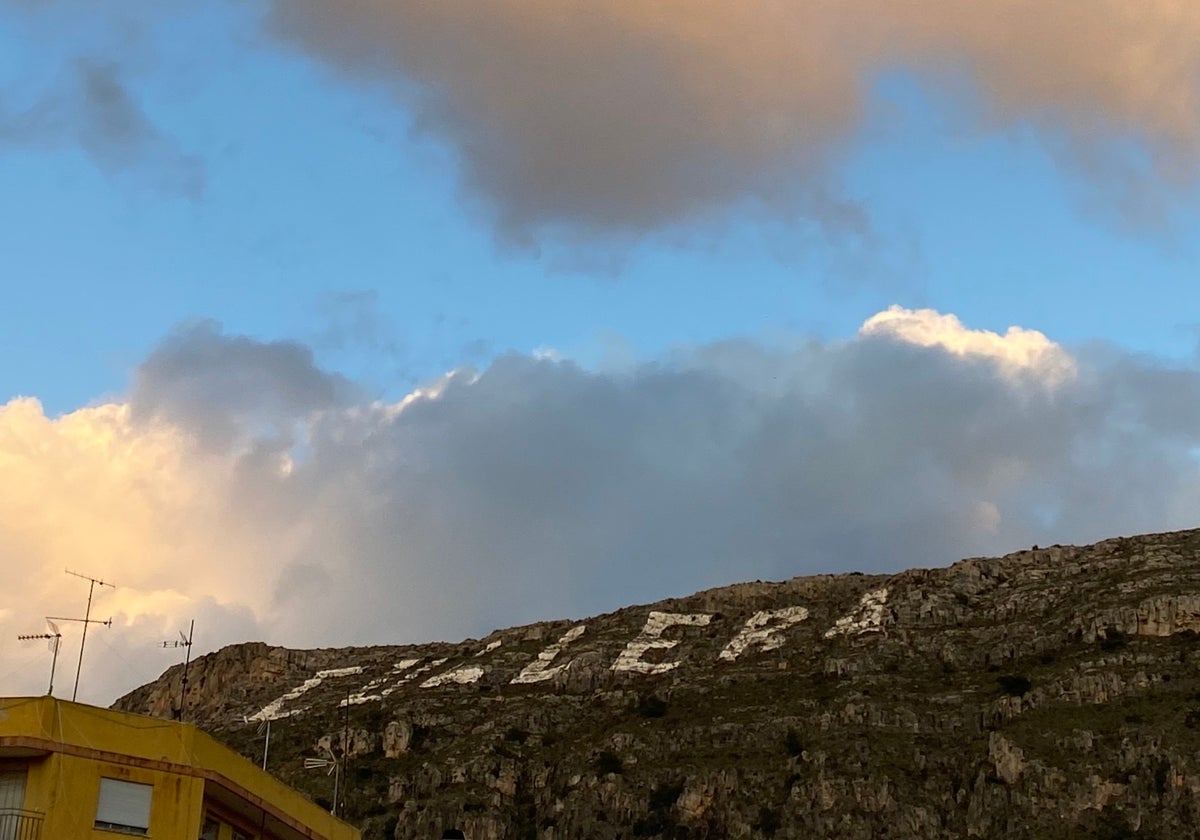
{"x":55,"y":638}
{"x":186,"y":643}
{"x":87,"y":619}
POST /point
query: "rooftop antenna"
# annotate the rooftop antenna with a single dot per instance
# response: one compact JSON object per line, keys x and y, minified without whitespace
{"x":87,"y":619}
{"x":186,"y":643}
{"x":334,"y":766}
{"x":346,"y":739}
{"x":264,"y":726}
{"x":55,"y":638}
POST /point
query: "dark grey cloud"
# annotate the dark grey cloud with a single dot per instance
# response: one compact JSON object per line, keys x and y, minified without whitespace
{"x":225,"y":389}
{"x":537,"y":489}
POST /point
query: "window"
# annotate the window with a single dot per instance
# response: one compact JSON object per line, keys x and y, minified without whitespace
{"x":211,"y":830}
{"x":12,"y":799}
{"x":124,"y":806}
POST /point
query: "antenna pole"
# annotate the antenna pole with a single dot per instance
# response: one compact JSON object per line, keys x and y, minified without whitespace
{"x":187,"y":657}
{"x":267,"y":744}
{"x":336,"y":778}
{"x":186,"y":643}
{"x":83,"y":641}
{"x":87,"y":619}
{"x":345,"y":746}
{"x":55,"y":640}
{"x":54,"y":663}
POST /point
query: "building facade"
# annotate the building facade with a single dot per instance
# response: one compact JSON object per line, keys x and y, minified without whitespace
{"x":74,"y":772}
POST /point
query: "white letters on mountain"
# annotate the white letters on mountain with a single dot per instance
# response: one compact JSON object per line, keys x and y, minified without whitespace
{"x":764,"y":631}
{"x":539,"y":670}
{"x":650,"y":639}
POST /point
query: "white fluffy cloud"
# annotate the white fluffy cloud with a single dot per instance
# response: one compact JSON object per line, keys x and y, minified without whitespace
{"x":1019,"y":353}
{"x":620,"y":116}
{"x":244,"y":487}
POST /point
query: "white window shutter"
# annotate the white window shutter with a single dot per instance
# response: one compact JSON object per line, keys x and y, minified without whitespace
{"x":12,"y":790}
{"x":124,"y":806}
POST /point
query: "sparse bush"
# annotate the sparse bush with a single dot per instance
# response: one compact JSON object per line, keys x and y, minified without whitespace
{"x":609,"y":762}
{"x":1113,"y":639}
{"x":1113,"y":825}
{"x":665,"y":796}
{"x":1162,"y":773}
{"x":420,"y":736}
{"x":1014,"y":685}
{"x":652,"y":707}
{"x":793,"y":744}
{"x":768,"y":822}
{"x":658,"y":825}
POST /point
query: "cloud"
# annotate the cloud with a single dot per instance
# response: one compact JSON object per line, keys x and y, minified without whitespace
{"x":91,"y":108}
{"x":534,"y":488}
{"x":224,"y":388}
{"x":1019,"y":352}
{"x":614,"y":118}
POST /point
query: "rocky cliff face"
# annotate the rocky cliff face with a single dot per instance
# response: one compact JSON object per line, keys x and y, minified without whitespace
{"x":1051,"y":693}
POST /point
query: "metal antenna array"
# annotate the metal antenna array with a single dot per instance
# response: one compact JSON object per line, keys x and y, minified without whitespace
{"x":87,"y":619}
{"x":55,"y":638}
{"x":332,"y":767}
{"x":186,"y":643}
{"x":264,"y":726}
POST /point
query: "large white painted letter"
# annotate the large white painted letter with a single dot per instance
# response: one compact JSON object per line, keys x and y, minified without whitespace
{"x":539,"y":670}
{"x":411,"y":675}
{"x":764,"y":630}
{"x":651,"y":639}
{"x":867,"y":617}
{"x":365,"y":695}
{"x":274,"y":709}
{"x":462,"y":675}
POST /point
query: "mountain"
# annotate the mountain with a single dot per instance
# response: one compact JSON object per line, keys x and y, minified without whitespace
{"x":1050,"y":693}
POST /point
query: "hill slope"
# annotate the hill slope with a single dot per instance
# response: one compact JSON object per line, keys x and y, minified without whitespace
{"x":1049,"y":693}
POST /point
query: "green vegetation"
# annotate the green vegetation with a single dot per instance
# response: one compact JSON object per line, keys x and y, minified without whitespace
{"x":609,"y":762}
{"x":650,"y":706}
{"x":1014,"y":685}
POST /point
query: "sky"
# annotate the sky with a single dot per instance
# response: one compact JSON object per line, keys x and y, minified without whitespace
{"x":334,"y":323}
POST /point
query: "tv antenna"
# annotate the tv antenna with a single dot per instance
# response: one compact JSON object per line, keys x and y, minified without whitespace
{"x":184,"y":642}
{"x":264,"y":727}
{"x":55,"y":638}
{"x":86,"y":620}
{"x":334,"y":768}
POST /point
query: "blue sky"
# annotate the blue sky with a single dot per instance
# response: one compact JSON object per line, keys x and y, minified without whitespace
{"x":317,"y":190}
{"x":254,"y":183}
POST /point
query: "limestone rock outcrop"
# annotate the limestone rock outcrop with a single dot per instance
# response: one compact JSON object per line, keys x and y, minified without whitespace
{"x":1050,"y":693}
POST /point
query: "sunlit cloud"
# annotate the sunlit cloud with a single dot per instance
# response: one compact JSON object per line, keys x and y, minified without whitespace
{"x":616,"y":118}
{"x":284,"y":506}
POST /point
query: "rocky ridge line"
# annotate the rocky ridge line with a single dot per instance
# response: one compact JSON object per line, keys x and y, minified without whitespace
{"x":1048,"y":693}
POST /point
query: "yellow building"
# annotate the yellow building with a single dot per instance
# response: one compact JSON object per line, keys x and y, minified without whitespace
{"x":75,"y":772}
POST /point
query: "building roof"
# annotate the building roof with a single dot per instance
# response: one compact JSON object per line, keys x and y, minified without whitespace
{"x":39,"y":726}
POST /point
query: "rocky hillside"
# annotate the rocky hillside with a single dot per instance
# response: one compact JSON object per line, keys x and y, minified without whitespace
{"x":1051,"y":693}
